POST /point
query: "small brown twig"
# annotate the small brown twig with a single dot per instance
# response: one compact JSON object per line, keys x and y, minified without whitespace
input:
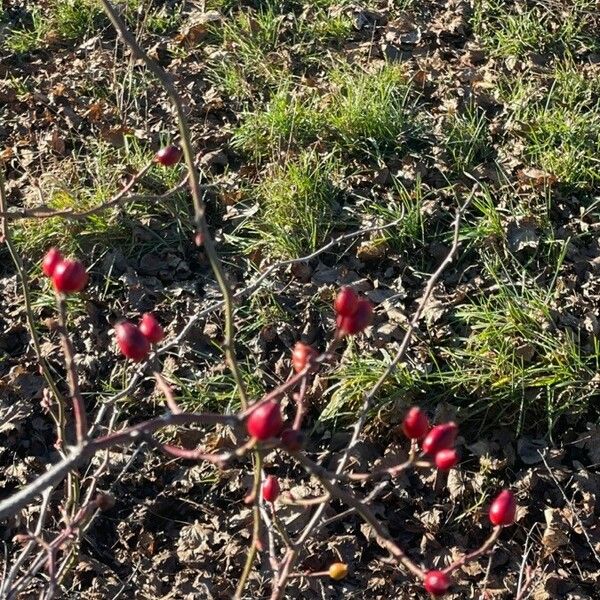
{"x":362,"y":509}
{"x":530,"y":575}
{"x":471,"y":556}
{"x":256,"y":524}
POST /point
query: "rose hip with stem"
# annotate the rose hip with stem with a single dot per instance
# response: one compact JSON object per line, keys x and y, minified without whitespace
{"x":440,"y":437}
{"x":302,"y":355}
{"x":356,"y":322}
{"x":270,"y":488}
{"x":446,"y":459}
{"x":503,"y":509}
{"x":346,"y":302}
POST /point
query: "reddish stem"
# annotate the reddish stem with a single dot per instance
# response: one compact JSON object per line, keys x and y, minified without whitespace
{"x":485,"y":547}
{"x":71,"y":367}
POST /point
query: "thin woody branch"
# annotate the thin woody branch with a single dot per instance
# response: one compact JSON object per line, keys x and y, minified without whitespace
{"x":45,"y":212}
{"x":362,"y":509}
{"x":194,"y":182}
{"x":57,"y":472}
{"x":71,"y":366}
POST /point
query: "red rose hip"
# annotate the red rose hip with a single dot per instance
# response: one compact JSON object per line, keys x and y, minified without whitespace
{"x":69,"y":276}
{"x":441,"y":437}
{"x":359,"y":320}
{"x":151,"y":329}
{"x":346,"y":302}
{"x":270,"y":488}
{"x":437,"y":583}
{"x":446,"y":459}
{"x":415,"y":424}
{"x":265,"y":421}
{"x":131,"y":341}
{"x":168,"y":156}
{"x":503,"y":508}
{"x":302,"y":355}
{"x":51,"y":260}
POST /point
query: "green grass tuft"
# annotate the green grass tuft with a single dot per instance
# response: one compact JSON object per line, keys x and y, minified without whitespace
{"x":357,"y":374}
{"x":362,"y":112}
{"x":562,"y":28}
{"x":516,"y":365}
{"x":296,"y":205}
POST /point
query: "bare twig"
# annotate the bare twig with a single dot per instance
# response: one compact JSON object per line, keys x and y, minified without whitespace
{"x":471,"y":556}
{"x":256,"y":523}
{"x":71,"y":366}
{"x":80,"y":454}
{"x":44,"y":212}
{"x":361,"y":508}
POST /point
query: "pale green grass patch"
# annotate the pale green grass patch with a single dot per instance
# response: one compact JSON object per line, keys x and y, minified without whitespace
{"x":295,"y":201}
{"x":358,"y":112}
{"x":467,"y":139}
{"x":559,"y":120}
{"x":354,"y":377}
{"x":515,"y":364}
{"x":564,"y":28}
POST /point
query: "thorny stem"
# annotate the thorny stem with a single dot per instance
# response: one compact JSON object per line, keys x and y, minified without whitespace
{"x":256,"y":522}
{"x":199,"y":207}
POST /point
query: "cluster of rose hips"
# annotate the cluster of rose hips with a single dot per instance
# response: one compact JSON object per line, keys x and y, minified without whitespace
{"x":353,"y":313}
{"x":438,"y":442}
{"x":134,"y":340}
{"x":69,"y":276}
{"x":265,"y":422}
